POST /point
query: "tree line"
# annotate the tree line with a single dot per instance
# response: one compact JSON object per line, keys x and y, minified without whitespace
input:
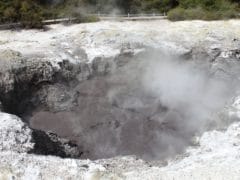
{"x":31,"y":12}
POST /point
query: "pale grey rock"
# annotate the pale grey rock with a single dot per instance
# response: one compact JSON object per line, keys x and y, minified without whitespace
{"x":19,"y":75}
{"x":216,"y":157}
{"x":14,"y":134}
{"x":55,"y":97}
{"x":24,"y":166}
{"x":102,"y":66}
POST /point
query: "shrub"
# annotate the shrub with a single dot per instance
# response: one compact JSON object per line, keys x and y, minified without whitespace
{"x":9,"y":14}
{"x":82,"y":18}
{"x":30,"y":15}
{"x":177,"y":14}
{"x":91,"y":18}
{"x":195,"y":13}
{"x":31,"y":20}
{"x":206,"y":10}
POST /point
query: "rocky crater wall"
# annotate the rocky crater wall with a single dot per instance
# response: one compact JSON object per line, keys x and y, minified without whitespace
{"x":103,"y":93}
{"x":113,"y":106}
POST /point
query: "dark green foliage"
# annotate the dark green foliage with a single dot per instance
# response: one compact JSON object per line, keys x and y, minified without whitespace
{"x":204,"y":9}
{"x":27,"y":12}
{"x":32,"y":12}
{"x":134,"y":6}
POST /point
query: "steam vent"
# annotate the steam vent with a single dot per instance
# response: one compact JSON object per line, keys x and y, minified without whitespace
{"x":135,"y":100}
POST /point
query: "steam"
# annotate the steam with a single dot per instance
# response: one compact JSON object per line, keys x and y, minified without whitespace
{"x":186,"y":88}
{"x":178,"y":98}
{"x":151,"y":107}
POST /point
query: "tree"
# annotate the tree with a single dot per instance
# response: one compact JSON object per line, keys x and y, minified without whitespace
{"x":9,"y":14}
{"x":30,"y":14}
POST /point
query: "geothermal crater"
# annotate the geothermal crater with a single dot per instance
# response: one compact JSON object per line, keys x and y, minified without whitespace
{"x":150,"y":105}
{"x":111,"y":89}
{"x":113,"y":114}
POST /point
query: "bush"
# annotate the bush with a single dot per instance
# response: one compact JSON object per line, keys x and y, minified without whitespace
{"x":31,"y":20}
{"x":229,"y":14}
{"x":90,"y":19}
{"x":30,"y":15}
{"x":206,"y":10}
{"x":32,"y":12}
{"x":9,"y":14}
{"x":82,"y":18}
{"x":177,"y":14}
